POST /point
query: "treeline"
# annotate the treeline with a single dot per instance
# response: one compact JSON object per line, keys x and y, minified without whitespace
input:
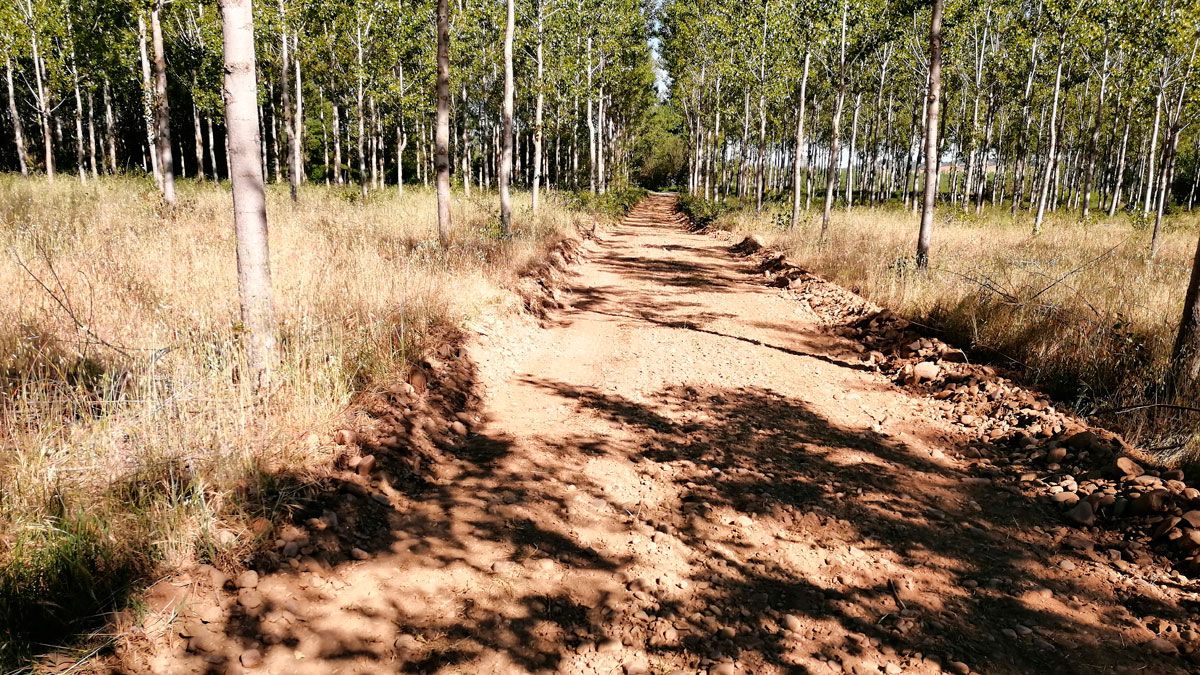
{"x":345,"y":90}
{"x":1047,"y":105}
{"x":1032,"y":105}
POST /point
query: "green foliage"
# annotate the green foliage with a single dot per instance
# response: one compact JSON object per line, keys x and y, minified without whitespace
{"x":660,"y":153}
{"x":61,"y":575}
{"x":704,"y":212}
{"x":615,"y":203}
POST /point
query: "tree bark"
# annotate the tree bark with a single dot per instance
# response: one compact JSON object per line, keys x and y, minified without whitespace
{"x":197,"y":135}
{"x":538,"y":109}
{"x":760,"y":184}
{"x":1051,"y":164}
{"x":506,"y":152}
{"x":337,"y":145}
{"x":442,"y":136}
{"x":853,"y":152}
{"x":289,"y":129}
{"x":162,"y":109}
{"x":1094,"y":140}
{"x":929,"y":196}
{"x":15,"y":115}
{"x":1158,"y":103}
{"x":92,"y":160}
{"x":148,"y":112}
{"x":797,"y":165}
{"x":832,"y":178}
{"x":1119,"y":174}
{"x":1185,"y":357}
{"x":110,"y":129}
{"x":43,"y":94}
{"x":249,"y":197}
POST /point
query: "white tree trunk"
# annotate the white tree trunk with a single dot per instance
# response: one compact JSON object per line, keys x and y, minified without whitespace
{"x":538,"y":111}
{"x":442,"y":135}
{"x":929,"y":198}
{"x":506,"y":152}
{"x":162,"y":109}
{"x":249,"y":197}
{"x":148,"y":110}
{"x":15,"y":116}
{"x":1047,"y":177}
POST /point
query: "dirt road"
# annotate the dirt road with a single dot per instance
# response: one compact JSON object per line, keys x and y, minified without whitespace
{"x":684,"y":472}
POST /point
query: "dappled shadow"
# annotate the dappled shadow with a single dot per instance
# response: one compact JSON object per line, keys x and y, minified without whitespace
{"x":943,"y":563}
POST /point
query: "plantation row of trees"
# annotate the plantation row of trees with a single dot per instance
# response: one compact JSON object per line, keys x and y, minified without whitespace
{"x":1034,"y":105}
{"x":1047,"y":104}
{"x":345,"y":89}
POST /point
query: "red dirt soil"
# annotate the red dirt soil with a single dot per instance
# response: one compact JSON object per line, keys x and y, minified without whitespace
{"x":683,"y":470}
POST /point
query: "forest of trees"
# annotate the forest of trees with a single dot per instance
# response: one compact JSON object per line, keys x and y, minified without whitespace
{"x":345,"y":90}
{"x":1081,"y":108}
{"x":1047,"y":105}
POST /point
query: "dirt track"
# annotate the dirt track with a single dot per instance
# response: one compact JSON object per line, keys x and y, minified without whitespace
{"x":685,"y":471}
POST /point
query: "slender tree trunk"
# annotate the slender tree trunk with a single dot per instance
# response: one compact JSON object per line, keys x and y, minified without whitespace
{"x":401,"y":144}
{"x":43,"y":95}
{"x":92,"y":160}
{"x":797,"y":166}
{"x":212,"y":149}
{"x":361,"y":110}
{"x":506,"y":152}
{"x":298,"y":117}
{"x":80,"y":162}
{"x":110,"y":132}
{"x":162,"y":109}
{"x":249,"y":201}
{"x":601,"y":127}
{"x":1094,"y":140}
{"x":853,"y":151}
{"x":760,"y":184}
{"x":464,"y":147}
{"x":591,"y":122}
{"x":537,"y":113}
{"x":289,"y":129}
{"x":148,"y":100}
{"x":929,"y":197}
{"x":198,"y":137}
{"x":1164,"y":188}
{"x":325,"y":168}
{"x":15,"y":115}
{"x":1051,"y":152}
{"x":337,"y":145}
{"x":1158,"y":104}
{"x":374,"y":142}
{"x":832,"y":178}
{"x":442,"y":142}
{"x":1119,"y":175}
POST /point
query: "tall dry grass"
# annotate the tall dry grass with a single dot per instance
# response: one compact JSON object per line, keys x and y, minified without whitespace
{"x":125,"y":431}
{"x":1078,"y":310}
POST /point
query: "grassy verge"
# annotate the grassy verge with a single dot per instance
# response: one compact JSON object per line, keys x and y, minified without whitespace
{"x":1078,"y":310}
{"x":126,"y":434}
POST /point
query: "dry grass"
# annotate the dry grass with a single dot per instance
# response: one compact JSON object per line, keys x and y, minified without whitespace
{"x":124,"y":430}
{"x":1078,"y":310}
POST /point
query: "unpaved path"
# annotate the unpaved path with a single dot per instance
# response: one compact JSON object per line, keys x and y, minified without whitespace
{"x":684,"y":472}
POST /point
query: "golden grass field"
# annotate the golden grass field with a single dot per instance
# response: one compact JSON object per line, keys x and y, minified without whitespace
{"x":124,"y":430}
{"x":1079,"y":310}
